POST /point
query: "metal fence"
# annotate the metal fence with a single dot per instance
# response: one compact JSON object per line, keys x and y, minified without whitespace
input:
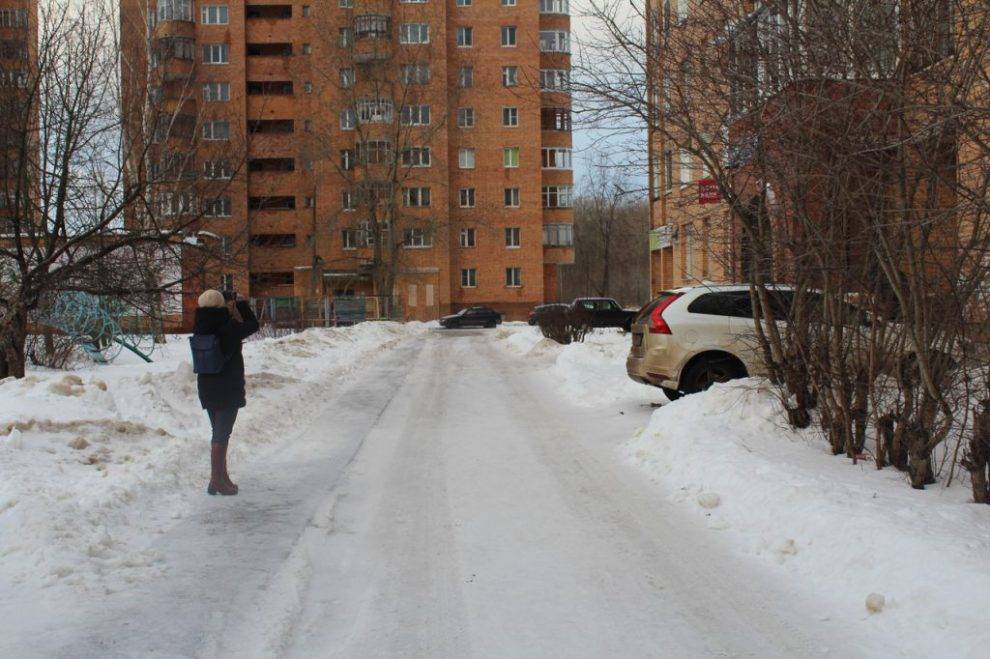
{"x":293,"y":314}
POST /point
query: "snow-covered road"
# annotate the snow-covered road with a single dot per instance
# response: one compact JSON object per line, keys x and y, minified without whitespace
{"x":447,"y":502}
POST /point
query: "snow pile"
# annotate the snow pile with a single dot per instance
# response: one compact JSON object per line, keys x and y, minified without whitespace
{"x":914,"y":564}
{"x":93,"y":461}
{"x":592,"y":373}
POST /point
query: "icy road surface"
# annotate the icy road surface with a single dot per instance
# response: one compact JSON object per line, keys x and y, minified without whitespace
{"x":448,"y":502}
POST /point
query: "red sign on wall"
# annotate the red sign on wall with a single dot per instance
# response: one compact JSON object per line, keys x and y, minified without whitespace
{"x":708,"y":191}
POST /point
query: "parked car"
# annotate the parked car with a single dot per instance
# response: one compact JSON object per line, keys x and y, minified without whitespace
{"x":687,"y":339}
{"x":472,"y":317}
{"x":602,"y":312}
{"x":543,"y":309}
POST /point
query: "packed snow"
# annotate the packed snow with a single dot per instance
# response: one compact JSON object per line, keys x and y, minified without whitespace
{"x":95,"y":461}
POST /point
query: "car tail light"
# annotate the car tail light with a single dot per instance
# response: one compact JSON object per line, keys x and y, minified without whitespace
{"x":657,"y":324}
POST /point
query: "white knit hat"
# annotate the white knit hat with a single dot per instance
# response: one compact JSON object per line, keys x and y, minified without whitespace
{"x":211,"y":298}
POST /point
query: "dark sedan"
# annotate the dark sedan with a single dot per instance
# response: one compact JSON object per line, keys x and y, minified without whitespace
{"x":472,"y":317}
{"x":545,"y":309}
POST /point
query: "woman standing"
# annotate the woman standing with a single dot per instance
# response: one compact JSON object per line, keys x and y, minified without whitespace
{"x":222,"y":394}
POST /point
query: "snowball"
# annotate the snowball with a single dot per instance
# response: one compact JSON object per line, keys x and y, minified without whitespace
{"x":875,"y":602}
{"x":709,"y":500}
{"x":14,"y":439}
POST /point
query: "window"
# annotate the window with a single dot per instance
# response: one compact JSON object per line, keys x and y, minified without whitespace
{"x":668,"y":169}
{"x":513,"y":237}
{"x":508,"y":36}
{"x":347,"y":159}
{"x":557,"y":196}
{"x":416,"y":156}
{"x":269,"y":88}
{"x":271,"y":279}
{"x":374,"y":152}
{"x":413,"y":33}
{"x":13,"y":18}
{"x":272,"y":203}
{"x":685,"y":167}
{"x":345,"y":37}
{"x":216,"y":91}
{"x":558,"y":235}
{"x":555,"y":7}
{"x":348,"y":119}
{"x":219,"y":207}
{"x":510,"y":117}
{"x":512,"y":197}
{"x":175,"y":10}
{"x":463,"y":3}
{"x":213,"y":15}
{"x":347,"y":78}
{"x":171,"y":204}
{"x":467,"y":197}
{"x":682,"y":10}
{"x":465,"y":117}
{"x":415,"y":74}
{"x":465,"y":77}
{"x":307,"y":11}
{"x":465,"y":158}
{"x":372,"y":26}
{"x":510,"y":156}
{"x":467,"y":237}
{"x":508,"y":3}
{"x":308,"y":128}
{"x":510,"y":76}
{"x":513,"y":277}
{"x":555,"y":41}
{"x":354,"y":238}
{"x":415,"y":115}
{"x":416,"y":197}
{"x":217,"y":169}
{"x":374,"y":110}
{"x":417,"y":238}
{"x":555,"y":119}
{"x":556,"y":158}
{"x":469,"y":276}
{"x":216,"y":53}
{"x":552,"y":80}
{"x":216,"y":130}
{"x":465,"y":37}
{"x":347,"y":201}
{"x":345,"y":4}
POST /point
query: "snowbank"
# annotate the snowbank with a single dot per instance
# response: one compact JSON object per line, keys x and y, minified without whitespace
{"x":592,"y":373}
{"x":844,"y":532}
{"x":93,"y":460}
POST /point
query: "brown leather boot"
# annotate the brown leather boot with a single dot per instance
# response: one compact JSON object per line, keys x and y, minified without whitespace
{"x":218,"y":467}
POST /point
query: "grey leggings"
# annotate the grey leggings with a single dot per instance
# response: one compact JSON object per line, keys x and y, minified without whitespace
{"x":222,"y":422}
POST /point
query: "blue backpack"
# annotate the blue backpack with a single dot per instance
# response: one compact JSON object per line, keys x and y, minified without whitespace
{"x":207,"y":356}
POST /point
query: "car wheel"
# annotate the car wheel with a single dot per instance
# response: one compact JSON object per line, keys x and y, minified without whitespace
{"x":706,"y":372}
{"x":671,"y":394}
{"x":490,"y":323}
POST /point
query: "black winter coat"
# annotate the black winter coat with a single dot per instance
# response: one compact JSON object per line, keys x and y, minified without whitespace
{"x":225,"y":389}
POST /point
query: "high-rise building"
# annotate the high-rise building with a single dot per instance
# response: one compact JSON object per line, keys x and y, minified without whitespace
{"x":18,"y":53}
{"x":418,"y":151}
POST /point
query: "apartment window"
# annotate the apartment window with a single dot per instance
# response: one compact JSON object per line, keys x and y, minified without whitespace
{"x":555,"y":7}
{"x":513,"y":237}
{"x":306,"y":11}
{"x":682,"y":10}
{"x":416,"y":197}
{"x":213,"y":15}
{"x":307,"y":49}
{"x":417,"y":238}
{"x":510,"y":156}
{"x":558,"y":235}
{"x":469,"y":277}
{"x":354,"y":238}
{"x":555,"y":41}
{"x":13,"y":18}
{"x":269,"y":88}
{"x":415,"y":74}
{"x":414,"y":33}
{"x":465,"y":117}
{"x":557,"y":196}
{"x":216,"y":130}
{"x":668,"y":169}
{"x":510,"y":117}
{"x":372,"y":26}
{"x":216,"y":91}
{"x":552,"y":80}
{"x":465,"y":77}
{"x":345,"y":37}
{"x":465,"y":158}
{"x":415,"y":115}
{"x":171,"y":204}
{"x":347,"y":201}
{"x":510,"y":76}
{"x":309,"y":202}
{"x":416,"y":156}
{"x":345,"y":4}
{"x":217,"y":169}
{"x":467,"y":197}
{"x":508,"y":3}
{"x":308,"y":128}
{"x":685,"y":167}
{"x":512,"y":197}
{"x":508,"y":36}
{"x":463,"y":3}
{"x":513,"y":277}
{"x":467,"y":237}
{"x":555,"y":119}
{"x":374,"y":110}
{"x":347,"y":78}
{"x":374,"y":152}
{"x":413,"y":2}
{"x":175,"y":10}
{"x":219,"y":207}
{"x":347,"y":159}
{"x":556,"y":158}
{"x":308,"y":87}
{"x":348,"y":119}
{"x":465,"y":37}
{"x":216,"y":53}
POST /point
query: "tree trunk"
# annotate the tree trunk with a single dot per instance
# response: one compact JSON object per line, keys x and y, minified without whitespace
{"x":12,"y":341}
{"x":977,"y":458}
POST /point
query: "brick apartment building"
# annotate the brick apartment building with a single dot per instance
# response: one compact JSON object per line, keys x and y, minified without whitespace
{"x":413,"y":150}
{"x":18,"y":52}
